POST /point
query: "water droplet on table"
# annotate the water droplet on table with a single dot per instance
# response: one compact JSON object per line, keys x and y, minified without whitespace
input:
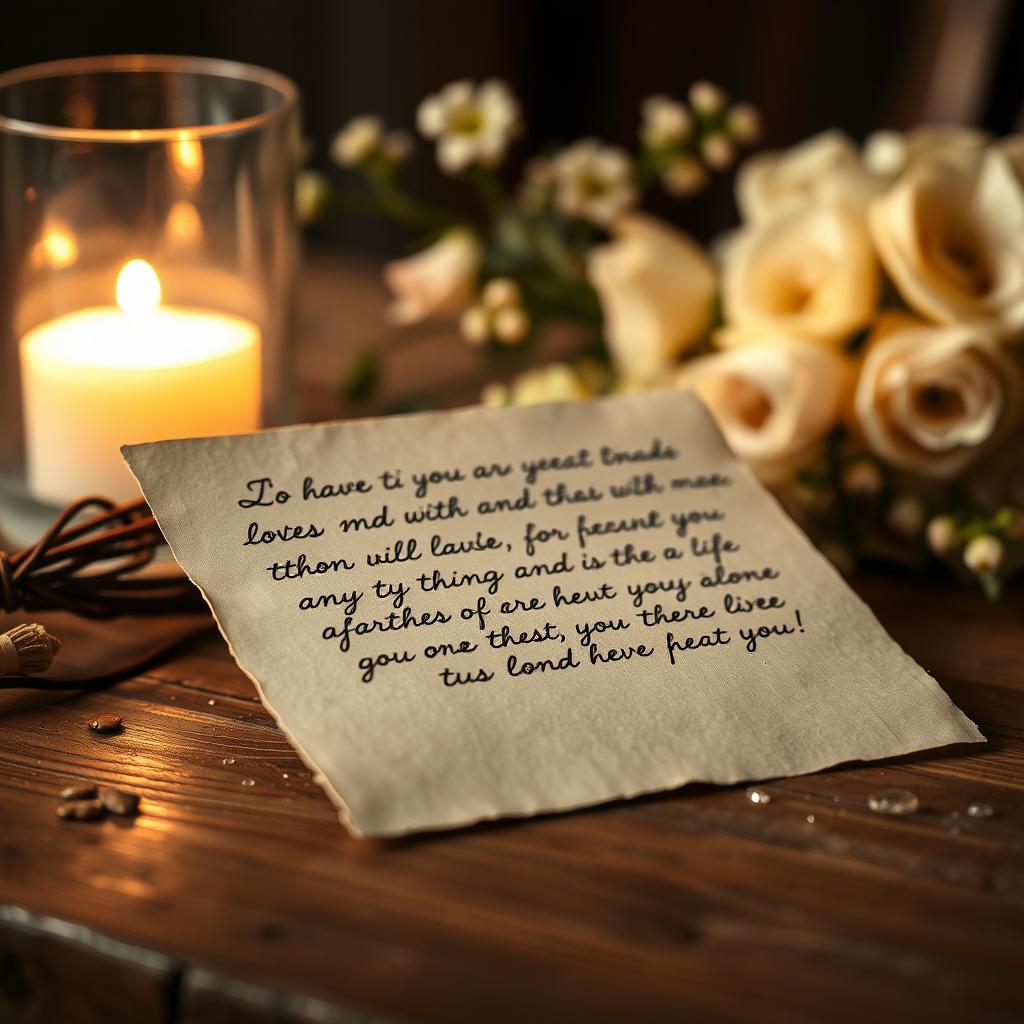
{"x":810,"y":819}
{"x":284,"y":775}
{"x":981,"y":810}
{"x":893,"y":800}
{"x":758,"y":796}
{"x":227,"y":760}
{"x":211,"y":702}
{"x":248,"y":782}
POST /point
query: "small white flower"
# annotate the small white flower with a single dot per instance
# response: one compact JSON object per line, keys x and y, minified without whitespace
{"x":941,"y":534}
{"x":707,"y":98}
{"x":666,"y":122}
{"x":473,"y":124}
{"x":744,"y":123}
{"x":499,"y":292}
{"x":594,"y":181}
{"x":475,"y":325}
{"x":906,"y":515}
{"x":984,"y":554}
{"x":718,"y":151}
{"x":312,"y":192}
{"x":862,"y":478}
{"x":359,"y":140}
{"x":510,"y":325}
{"x":556,"y":382}
{"x":684,"y":176}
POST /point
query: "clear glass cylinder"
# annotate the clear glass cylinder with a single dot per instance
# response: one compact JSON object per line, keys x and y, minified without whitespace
{"x":147,"y":262}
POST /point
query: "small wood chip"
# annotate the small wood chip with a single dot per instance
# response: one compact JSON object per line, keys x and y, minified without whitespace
{"x":82,"y":791}
{"x":106,"y":723}
{"x":80,"y":810}
{"x":118,"y":802}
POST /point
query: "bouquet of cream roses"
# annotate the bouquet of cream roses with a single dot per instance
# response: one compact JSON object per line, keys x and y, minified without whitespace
{"x":857,"y":338}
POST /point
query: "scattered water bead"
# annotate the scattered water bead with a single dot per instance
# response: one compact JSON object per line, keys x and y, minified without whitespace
{"x":810,"y":819}
{"x":227,"y":760}
{"x":248,"y":782}
{"x":758,"y":796}
{"x":211,"y":702}
{"x":893,"y":800}
{"x":105,"y":723}
{"x":980,"y":810}
{"x":284,"y":775}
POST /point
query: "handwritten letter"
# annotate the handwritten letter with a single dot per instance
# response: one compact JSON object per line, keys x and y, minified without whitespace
{"x":460,"y":616}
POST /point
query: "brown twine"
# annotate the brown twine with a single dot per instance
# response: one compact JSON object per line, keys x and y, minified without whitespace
{"x":89,"y":565}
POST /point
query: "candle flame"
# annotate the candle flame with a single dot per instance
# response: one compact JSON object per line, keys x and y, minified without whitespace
{"x":138,"y":287}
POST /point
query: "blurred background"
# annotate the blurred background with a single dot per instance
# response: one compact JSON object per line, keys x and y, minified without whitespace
{"x":581,"y":67}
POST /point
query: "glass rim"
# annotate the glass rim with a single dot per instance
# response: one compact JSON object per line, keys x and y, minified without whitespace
{"x":214,"y":67}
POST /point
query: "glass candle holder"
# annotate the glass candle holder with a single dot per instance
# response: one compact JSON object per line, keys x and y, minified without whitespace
{"x":147,"y":259}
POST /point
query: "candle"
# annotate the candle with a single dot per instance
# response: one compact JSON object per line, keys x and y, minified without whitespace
{"x":102,"y":377}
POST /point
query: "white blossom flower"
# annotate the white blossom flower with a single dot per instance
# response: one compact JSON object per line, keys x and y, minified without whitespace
{"x":500,"y":291}
{"x":359,"y":140}
{"x":718,"y":151}
{"x":905,"y":515}
{"x":475,"y":325}
{"x":312,"y":192}
{"x":439,"y":280}
{"x":983,"y":555}
{"x":743,"y":122}
{"x":593,"y":181}
{"x":510,"y":324}
{"x":889,"y":153}
{"x":473,"y":124}
{"x":666,"y":122}
{"x":684,"y":176}
{"x":941,"y":534}
{"x":862,"y":478}
{"x":707,"y":98}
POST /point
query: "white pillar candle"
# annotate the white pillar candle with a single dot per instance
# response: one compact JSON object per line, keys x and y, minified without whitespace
{"x":102,"y":377}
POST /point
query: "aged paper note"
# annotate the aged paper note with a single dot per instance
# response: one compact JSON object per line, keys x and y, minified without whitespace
{"x":460,"y":616}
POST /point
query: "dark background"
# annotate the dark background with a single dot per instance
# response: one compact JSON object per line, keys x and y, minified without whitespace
{"x":580,"y":68}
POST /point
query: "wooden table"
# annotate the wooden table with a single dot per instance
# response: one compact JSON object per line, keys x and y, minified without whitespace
{"x":227,"y":902}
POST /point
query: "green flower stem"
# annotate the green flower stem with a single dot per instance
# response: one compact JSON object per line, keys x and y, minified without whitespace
{"x":394,"y":201}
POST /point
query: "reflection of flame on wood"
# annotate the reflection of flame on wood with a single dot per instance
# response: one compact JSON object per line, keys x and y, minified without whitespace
{"x":183,"y":227}
{"x":56,"y":249}
{"x":187,"y":159}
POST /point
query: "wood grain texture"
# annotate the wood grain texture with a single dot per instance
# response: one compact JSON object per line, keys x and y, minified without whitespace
{"x":693,"y":905}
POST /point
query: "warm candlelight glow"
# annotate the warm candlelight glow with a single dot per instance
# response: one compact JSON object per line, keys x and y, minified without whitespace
{"x":138,"y":287}
{"x":138,"y":371}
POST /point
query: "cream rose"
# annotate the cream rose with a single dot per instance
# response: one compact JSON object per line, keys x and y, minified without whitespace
{"x":825,"y":168}
{"x":951,"y":236}
{"x":437,"y":281}
{"x":933,"y":399}
{"x":810,"y":270}
{"x":656,"y":287}
{"x":774,"y":401}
